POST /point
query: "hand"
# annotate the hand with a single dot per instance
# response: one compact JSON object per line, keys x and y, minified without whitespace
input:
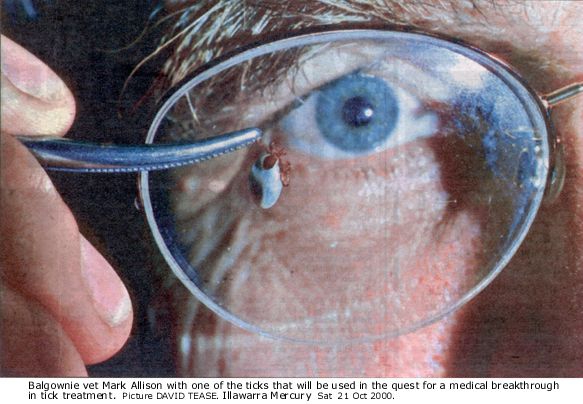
{"x":62,"y":305}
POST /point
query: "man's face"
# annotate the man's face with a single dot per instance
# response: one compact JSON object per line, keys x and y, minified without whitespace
{"x":527,"y":323}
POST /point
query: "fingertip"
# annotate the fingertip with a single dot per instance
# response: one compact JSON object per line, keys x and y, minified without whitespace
{"x":110,"y":299}
{"x":76,"y":285}
{"x":35,"y":101}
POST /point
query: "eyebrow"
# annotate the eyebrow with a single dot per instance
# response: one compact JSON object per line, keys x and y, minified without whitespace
{"x":204,"y":30}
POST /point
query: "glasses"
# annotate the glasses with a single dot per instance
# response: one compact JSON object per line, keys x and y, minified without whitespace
{"x":396,"y":175}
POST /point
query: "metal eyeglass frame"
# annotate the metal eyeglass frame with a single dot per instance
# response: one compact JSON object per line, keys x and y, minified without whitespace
{"x":66,"y":155}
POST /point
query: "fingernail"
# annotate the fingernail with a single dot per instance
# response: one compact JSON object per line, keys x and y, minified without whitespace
{"x":28,"y":74}
{"x":110,"y":296}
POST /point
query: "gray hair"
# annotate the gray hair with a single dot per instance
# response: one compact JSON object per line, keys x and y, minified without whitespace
{"x":202,"y":30}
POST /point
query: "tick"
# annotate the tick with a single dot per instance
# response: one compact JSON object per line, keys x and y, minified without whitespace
{"x":269,"y":174}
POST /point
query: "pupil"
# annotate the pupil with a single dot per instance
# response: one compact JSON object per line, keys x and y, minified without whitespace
{"x":357,"y":111}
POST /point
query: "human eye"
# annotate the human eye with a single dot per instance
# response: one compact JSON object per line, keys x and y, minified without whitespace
{"x":352,"y":101}
{"x":408,"y":163}
{"x":357,"y":114}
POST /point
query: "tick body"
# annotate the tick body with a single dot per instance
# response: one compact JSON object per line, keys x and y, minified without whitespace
{"x":269,"y":174}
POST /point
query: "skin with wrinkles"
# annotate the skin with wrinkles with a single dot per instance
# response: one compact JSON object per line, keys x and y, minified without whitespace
{"x":492,"y":336}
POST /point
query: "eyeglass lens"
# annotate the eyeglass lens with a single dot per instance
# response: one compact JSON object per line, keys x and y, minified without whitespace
{"x":397,"y":175}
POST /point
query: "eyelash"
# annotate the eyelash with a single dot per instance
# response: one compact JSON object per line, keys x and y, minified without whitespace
{"x":302,"y":126}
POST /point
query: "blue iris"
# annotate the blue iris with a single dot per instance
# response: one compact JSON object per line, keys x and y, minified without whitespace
{"x":356,"y":113}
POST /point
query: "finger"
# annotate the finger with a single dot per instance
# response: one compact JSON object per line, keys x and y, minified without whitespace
{"x":35,"y":101}
{"x":74,"y":283}
{"x":44,"y":257}
{"x":34,"y":343}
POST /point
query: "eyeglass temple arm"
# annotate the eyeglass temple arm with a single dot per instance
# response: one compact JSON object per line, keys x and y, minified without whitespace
{"x":563,"y":94}
{"x":78,"y":156}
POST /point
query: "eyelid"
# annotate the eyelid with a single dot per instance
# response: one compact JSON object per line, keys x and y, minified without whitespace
{"x":542,"y":70}
{"x":411,"y":77}
{"x":304,"y":79}
{"x":300,"y":124}
{"x":325,"y":64}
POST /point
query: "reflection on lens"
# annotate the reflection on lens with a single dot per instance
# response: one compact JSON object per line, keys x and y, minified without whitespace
{"x":407,"y":170}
